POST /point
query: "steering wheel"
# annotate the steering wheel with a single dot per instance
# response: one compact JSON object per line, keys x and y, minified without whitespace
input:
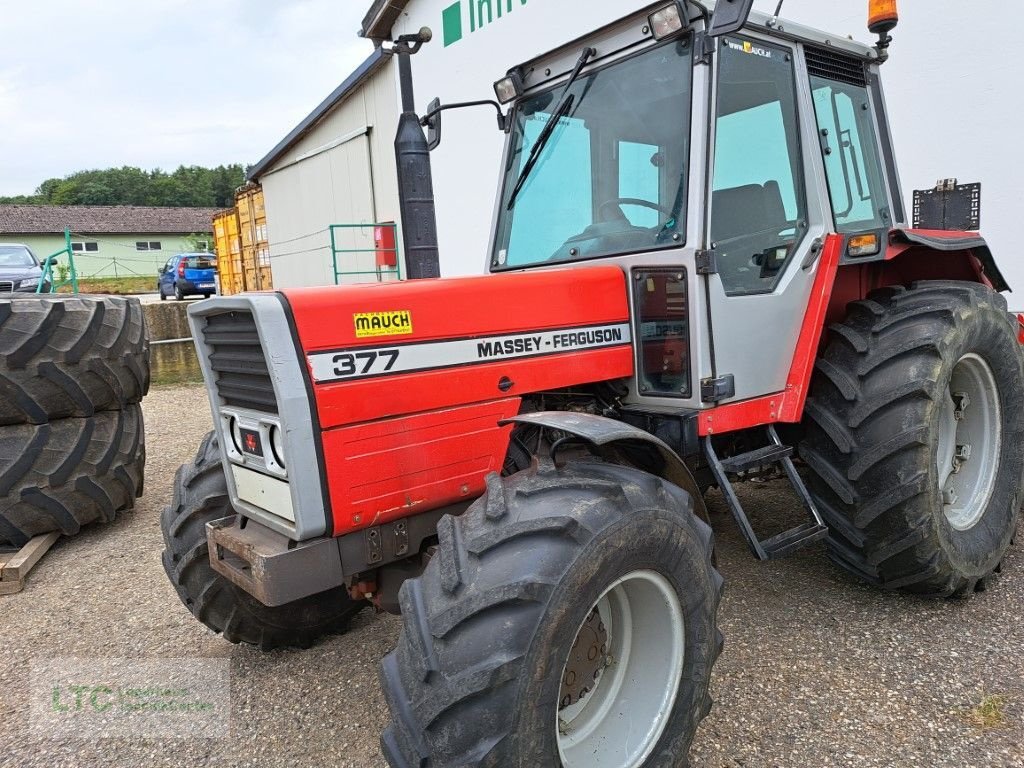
{"x":620,"y":201}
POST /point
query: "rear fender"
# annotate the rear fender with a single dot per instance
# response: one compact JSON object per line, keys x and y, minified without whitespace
{"x":913,"y":255}
{"x":620,"y":443}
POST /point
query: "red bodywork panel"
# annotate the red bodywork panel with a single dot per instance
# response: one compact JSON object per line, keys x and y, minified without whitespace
{"x":398,"y":440}
{"x":385,"y":470}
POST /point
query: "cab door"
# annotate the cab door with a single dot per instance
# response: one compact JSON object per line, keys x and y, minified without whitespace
{"x":766,"y":217}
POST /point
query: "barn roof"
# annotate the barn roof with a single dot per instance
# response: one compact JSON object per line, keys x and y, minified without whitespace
{"x":381,"y":17}
{"x":103,"y":219}
{"x":375,"y":61}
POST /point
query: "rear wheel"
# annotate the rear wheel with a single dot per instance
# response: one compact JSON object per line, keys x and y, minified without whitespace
{"x":200,"y":496}
{"x":915,"y":437}
{"x":568,"y":618}
{"x":178,"y":293}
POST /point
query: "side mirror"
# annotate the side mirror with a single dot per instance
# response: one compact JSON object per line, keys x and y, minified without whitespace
{"x":161,"y":270}
{"x":434,"y":125}
{"x":432,"y":120}
{"x":49,"y":261}
{"x":729,"y":17}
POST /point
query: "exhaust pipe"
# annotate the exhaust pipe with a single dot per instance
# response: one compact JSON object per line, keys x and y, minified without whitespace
{"x":415,"y":179}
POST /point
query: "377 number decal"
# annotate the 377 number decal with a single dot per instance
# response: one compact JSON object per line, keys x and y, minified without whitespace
{"x":369,"y":363}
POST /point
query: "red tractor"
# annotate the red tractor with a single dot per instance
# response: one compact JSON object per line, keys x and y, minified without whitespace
{"x":700,"y":269}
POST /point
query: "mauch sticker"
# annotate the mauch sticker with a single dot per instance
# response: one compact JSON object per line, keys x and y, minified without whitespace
{"x":369,"y":324}
{"x":747,"y":47}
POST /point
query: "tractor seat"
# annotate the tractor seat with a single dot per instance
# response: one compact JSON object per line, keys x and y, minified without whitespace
{"x":740,"y":211}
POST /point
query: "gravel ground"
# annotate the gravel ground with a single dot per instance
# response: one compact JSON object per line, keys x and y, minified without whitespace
{"x":818,"y":670}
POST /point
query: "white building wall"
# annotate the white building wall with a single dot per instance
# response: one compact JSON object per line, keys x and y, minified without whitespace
{"x":341,"y":172}
{"x":952,"y":85}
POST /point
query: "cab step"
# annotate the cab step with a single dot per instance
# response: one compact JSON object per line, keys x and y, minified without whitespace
{"x":762,"y":457}
{"x":775,"y":453}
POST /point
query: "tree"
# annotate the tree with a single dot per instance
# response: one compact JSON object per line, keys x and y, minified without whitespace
{"x":188,"y":186}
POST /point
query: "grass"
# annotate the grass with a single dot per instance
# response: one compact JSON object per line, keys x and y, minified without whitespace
{"x":989,"y":713}
{"x":114,"y":285}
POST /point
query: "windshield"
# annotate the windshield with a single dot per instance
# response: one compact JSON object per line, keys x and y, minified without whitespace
{"x":16,"y":256}
{"x":612,"y":177}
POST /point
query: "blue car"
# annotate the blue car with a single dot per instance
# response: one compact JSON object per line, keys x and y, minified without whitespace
{"x":188,"y":274}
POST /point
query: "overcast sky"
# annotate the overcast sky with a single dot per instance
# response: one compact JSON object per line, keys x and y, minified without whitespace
{"x":162,"y":83}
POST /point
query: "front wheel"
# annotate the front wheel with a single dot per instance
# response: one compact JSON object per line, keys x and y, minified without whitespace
{"x":200,"y":496}
{"x":568,"y":618}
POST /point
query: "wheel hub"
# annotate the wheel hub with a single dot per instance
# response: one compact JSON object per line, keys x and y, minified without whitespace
{"x":587,"y":660}
{"x":970,"y":438}
{"x":622,"y":675}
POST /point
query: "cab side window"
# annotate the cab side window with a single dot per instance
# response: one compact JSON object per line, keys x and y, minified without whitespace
{"x":758,"y":201}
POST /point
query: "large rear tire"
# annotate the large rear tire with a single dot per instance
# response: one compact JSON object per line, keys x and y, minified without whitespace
{"x":69,"y":473}
{"x":70,"y":356}
{"x":200,"y":496}
{"x":886,"y":421}
{"x":518,"y":648}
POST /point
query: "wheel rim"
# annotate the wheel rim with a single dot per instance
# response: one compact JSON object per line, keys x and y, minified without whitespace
{"x":970,"y":437}
{"x":631,"y":645}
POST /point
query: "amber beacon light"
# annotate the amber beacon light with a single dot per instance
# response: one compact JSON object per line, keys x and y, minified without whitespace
{"x":883,"y":17}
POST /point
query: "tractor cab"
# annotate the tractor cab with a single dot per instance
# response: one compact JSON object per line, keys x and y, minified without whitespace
{"x":712,"y":169}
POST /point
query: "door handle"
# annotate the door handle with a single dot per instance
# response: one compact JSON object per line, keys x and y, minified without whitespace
{"x":812,"y":256}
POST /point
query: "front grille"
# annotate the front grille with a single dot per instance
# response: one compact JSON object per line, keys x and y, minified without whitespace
{"x":833,"y":65}
{"x":6,"y":286}
{"x":237,"y":358}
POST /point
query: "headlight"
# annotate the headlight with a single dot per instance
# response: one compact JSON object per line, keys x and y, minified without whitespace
{"x":277,"y":446}
{"x":31,"y":282}
{"x":236,"y":434}
{"x":666,"y":22}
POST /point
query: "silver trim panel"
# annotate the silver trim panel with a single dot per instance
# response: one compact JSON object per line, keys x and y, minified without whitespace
{"x":294,"y":407}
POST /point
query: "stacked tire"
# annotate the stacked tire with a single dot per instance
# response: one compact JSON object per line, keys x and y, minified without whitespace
{"x":73,"y":370}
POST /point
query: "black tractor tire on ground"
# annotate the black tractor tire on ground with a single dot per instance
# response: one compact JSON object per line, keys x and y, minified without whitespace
{"x":475,"y":678}
{"x":873,"y":433}
{"x":69,"y":473}
{"x":200,"y":496}
{"x":70,"y":356}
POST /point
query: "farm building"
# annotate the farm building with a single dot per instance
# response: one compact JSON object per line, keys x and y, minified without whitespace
{"x":338,"y":167}
{"x":109,"y":241}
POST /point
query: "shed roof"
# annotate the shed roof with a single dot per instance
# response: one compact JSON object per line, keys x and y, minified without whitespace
{"x":103,"y":219}
{"x":381,"y":17}
{"x":374,"y":61}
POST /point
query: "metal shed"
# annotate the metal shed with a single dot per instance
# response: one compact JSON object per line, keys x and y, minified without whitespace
{"x":336,"y":168}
